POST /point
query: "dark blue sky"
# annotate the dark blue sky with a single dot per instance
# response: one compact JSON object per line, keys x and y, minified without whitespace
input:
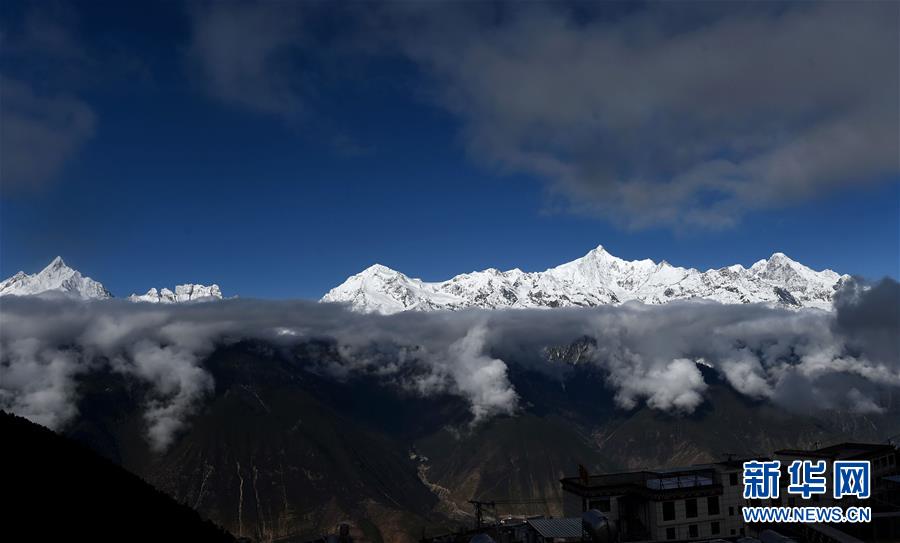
{"x":279,"y":174}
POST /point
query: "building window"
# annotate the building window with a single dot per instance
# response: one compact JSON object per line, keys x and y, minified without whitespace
{"x":670,"y":533}
{"x":690,"y":508}
{"x":712,"y":505}
{"x":693,"y":531}
{"x":601,"y":504}
{"x":730,"y":511}
{"x":668,"y":510}
{"x":732,"y":479}
{"x":714,"y":528}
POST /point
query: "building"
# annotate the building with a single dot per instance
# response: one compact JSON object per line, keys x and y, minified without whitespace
{"x":702,"y":504}
{"x":882,"y":457}
{"x":885,"y":490}
{"x":704,"y":501}
{"x":695,"y":502}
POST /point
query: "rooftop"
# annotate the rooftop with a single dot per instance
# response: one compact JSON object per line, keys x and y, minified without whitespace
{"x":557,"y":528}
{"x":690,"y":478}
{"x":840,"y":451}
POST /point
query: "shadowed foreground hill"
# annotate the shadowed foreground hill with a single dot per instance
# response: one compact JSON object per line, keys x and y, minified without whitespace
{"x":55,"y":487}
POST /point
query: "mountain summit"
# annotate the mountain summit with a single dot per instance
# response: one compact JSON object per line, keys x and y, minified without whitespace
{"x":56,"y":277}
{"x":597,"y":278}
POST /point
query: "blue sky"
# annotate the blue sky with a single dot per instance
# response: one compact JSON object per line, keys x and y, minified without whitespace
{"x":339,"y":146}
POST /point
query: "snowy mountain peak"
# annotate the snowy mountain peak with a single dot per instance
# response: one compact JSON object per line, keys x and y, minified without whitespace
{"x":56,"y":277}
{"x":381,"y":270}
{"x":55,"y":264}
{"x":599,"y":254}
{"x":597,"y":278}
{"x":381,"y":289}
{"x":183,"y":293}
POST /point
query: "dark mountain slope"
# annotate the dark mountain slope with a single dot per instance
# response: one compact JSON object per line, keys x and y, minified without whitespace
{"x":282,"y":451}
{"x":573,"y":420}
{"x":728,"y":423}
{"x":509,"y":458}
{"x":58,"y":489}
{"x":275,"y":452}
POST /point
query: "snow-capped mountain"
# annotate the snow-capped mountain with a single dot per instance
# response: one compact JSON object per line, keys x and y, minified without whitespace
{"x":58,"y":278}
{"x":597,"y":278}
{"x":55,"y":278}
{"x":183,"y":293}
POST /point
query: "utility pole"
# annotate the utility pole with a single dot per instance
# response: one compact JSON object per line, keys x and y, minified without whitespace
{"x":479,"y":513}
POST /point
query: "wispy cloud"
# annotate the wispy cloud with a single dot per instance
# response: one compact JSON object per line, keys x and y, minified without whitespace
{"x":682,"y":118}
{"x":39,"y":133}
{"x":43,"y":121}
{"x":660,"y":118}
{"x":246,"y":54}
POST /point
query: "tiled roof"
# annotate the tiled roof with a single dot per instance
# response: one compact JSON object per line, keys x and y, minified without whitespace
{"x":566,"y":528}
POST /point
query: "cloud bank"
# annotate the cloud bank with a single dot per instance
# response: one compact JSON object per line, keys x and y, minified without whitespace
{"x":650,"y":354}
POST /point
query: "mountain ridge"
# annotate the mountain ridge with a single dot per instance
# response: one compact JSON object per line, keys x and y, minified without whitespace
{"x":188,"y":292}
{"x":597,"y":278}
{"x":60,"y":279}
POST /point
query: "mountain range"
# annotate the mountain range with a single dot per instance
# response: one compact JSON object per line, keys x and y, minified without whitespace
{"x":58,"y":278}
{"x":597,"y":278}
